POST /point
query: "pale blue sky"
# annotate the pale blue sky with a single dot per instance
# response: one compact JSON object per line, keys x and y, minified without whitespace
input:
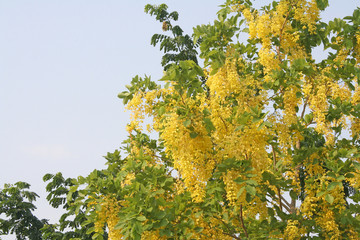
{"x":62,"y":64}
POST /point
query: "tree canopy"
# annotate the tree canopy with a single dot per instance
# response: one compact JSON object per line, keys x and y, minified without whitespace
{"x":16,"y":203}
{"x":261,"y":141}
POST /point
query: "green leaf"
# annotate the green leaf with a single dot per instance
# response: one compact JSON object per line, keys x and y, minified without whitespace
{"x":340,"y":178}
{"x":136,"y":231}
{"x":90,"y":230}
{"x":209,"y":125}
{"x":187,"y":122}
{"x":319,"y":194}
{"x":97,"y":236}
{"x":166,"y":232}
{"x":333,"y":185}
{"x":239,"y":180}
{"x":240,"y":192}
{"x":161,"y":110}
{"x":251,"y":190}
{"x":193,"y":134}
{"x":163,"y":222}
{"x":141,"y":218}
{"x":356,"y":165}
{"x":161,"y":215}
{"x":252,"y":182}
{"x":308,"y":118}
{"x":329,"y":198}
{"x":322,"y":4}
{"x":293,"y":194}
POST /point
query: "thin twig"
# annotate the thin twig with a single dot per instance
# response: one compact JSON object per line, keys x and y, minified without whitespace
{"x":298,"y":146}
{"x":287,"y":208}
{"x":274,"y":157}
{"x":303,"y":111}
{"x":242,"y":222}
{"x":233,"y":236}
{"x":282,"y":28}
{"x":278,"y":189}
{"x":223,"y":122}
{"x":280,"y":202}
{"x":287,"y":204}
{"x":293,"y":201}
{"x":229,"y":234}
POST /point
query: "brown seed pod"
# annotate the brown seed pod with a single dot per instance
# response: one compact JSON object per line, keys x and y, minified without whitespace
{"x":165,"y":26}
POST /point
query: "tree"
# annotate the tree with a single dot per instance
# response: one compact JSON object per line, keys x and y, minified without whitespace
{"x":16,"y":204}
{"x":177,"y":47}
{"x":262,"y":142}
{"x":72,"y":224}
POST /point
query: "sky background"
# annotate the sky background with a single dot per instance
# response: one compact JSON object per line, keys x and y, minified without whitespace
{"x":62,"y":64}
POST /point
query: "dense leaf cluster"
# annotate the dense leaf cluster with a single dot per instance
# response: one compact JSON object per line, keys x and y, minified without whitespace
{"x":260,"y":143}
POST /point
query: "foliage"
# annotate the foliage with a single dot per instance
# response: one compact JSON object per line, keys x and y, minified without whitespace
{"x":72,"y":224}
{"x":260,"y":143}
{"x":267,"y":146}
{"x":176,"y":48}
{"x":16,"y":204}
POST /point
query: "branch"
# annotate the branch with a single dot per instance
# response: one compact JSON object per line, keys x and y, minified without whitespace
{"x":274,"y":157}
{"x":283,"y":26}
{"x":274,"y":200}
{"x":169,"y":173}
{"x":287,"y":17}
{"x":242,"y":222}
{"x":280,"y":203}
{"x":229,"y":234}
{"x":278,"y":189}
{"x":233,"y":236}
{"x":287,"y":204}
{"x":303,"y":111}
{"x":223,"y":122}
{"x":293,"y":201}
